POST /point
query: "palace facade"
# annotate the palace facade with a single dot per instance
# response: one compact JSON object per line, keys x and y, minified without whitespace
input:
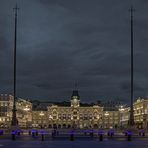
{"x":75,"y":116}
{"x":72,"y":115}
{"x":24,"y":111}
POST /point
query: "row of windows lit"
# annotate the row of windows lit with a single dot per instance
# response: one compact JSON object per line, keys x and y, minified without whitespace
{"x":4,"y":103}
{"x":4,"y":119}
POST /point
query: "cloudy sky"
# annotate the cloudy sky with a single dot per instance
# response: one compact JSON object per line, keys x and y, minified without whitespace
{"x":61,"y":42}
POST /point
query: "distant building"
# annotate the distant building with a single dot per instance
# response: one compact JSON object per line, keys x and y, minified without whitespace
{"x":24,"y":111}
{"x":124,"y":116}
{"x":72,"y":114}
{"x":111,"y":105}
{"x":6,"y":104}
{"x":141,"y":113}
{"x":40,"y":119}
{"x":40,"y":106}
{"x":75,"y":116}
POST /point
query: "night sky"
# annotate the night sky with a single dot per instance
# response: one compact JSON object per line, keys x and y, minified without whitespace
{"x":63,"y":42}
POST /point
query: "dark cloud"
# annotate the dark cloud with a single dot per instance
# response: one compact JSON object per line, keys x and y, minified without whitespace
{"x":63,"y":42}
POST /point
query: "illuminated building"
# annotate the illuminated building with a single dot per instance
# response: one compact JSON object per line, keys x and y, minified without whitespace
{"x":40,"y":119}
{"x":140,"y":107}
{"x":24,"y":111}
{"x":6,"y":105}
{"x":124,"y":116}
{"x":141,"y":113}
{"x":76,"y":115}
{"x":111,"y":119}
{"x":73,"y":114}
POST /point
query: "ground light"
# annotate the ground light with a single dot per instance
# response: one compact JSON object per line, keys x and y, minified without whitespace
{"x":129,"y":135}
{"x":110,"y":133}
{"x":100,"y":134}
{"x":72,"y":136}
{"x":13,"y":135}
{"x":42,"y":135}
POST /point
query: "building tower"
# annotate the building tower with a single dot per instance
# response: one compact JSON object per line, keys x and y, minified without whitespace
{"x":75,"y":99}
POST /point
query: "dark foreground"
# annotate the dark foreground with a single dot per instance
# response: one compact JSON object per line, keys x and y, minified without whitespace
{"x":74,"y":144}
{"x":72,"y":139}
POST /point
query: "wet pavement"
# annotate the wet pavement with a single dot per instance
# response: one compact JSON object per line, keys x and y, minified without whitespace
{"x":68,"y":139}
{"x":74,"y":144}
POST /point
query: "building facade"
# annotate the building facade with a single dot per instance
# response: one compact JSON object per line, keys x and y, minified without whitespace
{"x":24,"y":111}
{"x":72,"y":115}
{"x":124,"y":116}
{"x":40,"y":119}
{"x":141,"y":113}
{"x":111,"y":119}
{"x":140,"y":107}
{"x":6,"y":104}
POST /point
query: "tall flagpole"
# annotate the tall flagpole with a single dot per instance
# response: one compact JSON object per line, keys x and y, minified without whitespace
{"x":131,"y":120}
{"x":14,"y":119}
